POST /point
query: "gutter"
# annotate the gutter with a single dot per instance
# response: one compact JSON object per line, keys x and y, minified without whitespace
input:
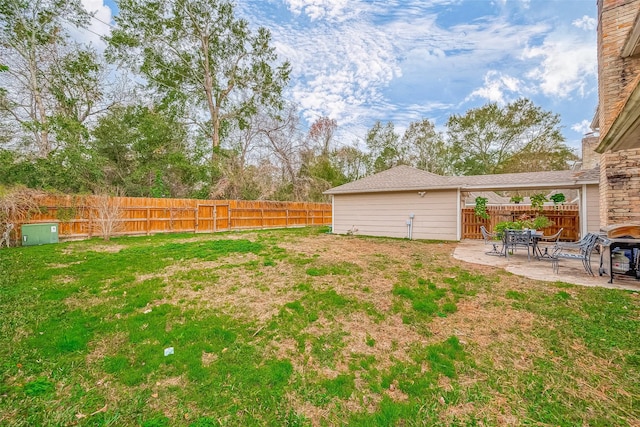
{"x":620,"y":135}
{"x":490,"y":187}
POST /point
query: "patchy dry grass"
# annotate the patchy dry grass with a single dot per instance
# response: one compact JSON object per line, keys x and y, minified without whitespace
{"x":299,"y":327}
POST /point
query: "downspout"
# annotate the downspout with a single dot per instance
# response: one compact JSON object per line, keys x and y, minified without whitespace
{"x":333,"y":214}
{"x":411,"y":216}
{"x":459,"y":216}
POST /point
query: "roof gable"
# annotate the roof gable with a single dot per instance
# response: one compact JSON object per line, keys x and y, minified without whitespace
{"x":395,"y":179}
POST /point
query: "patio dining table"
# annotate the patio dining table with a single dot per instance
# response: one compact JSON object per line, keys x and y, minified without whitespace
{"x":512,"y":239}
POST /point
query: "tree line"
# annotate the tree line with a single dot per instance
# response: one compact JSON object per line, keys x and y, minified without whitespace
{"x":188,"y":100}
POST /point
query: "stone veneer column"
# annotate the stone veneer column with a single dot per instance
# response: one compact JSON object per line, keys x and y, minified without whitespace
{"x":617,"y":76}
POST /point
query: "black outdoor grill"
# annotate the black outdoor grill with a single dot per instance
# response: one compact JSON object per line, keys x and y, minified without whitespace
{"x":620,"y":253}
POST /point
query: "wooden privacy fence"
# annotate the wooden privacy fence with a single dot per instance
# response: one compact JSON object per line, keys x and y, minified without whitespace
{"x":81,"y":217}
{"x":562,"y":216}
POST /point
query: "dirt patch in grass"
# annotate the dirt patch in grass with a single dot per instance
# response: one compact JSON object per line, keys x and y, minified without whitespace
{"x":64,"y":280}
{"x":112,"y":249}
{"x":105,"y":248}
{"x":213,"y":237}
{"x":65,"y":265}
{"x":82,"y":301}
{"x":227,"y":262}
{"x":208,"y":358}
{"x":244,"y":293}
{"x":349,"y":248}
{"x":313,"y":413}
{"x":386,"y":340}
{"x":105,"y":346}
{"x":480,"y":322}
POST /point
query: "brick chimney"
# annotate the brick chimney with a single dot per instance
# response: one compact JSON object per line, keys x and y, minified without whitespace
{"x":617,"y":78}
{"x":590,"y":159}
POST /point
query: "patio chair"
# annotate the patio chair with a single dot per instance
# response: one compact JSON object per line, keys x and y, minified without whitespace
{"x":490,"y":238}
{"x":583,"y":249}
{"x":548,"y":242}
{"x":514,"y":239}
{"x":564,"y":246}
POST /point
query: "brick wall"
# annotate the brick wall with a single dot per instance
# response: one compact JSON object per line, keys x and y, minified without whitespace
{"x":620,"y":187}
{"x":590,"y":159}
{"x":617,"y":77}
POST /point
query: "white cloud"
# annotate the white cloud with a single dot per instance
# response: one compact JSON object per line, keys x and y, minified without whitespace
{"x":341,"y":70}
{"x":585,"y":23}
{"x":496,"y":86}
{"x":338,"y":69}
{"x":358,"y":61}
{"x":583,"y":127}
{"x":321,"y":9}
{"x":566,"y":62}
{"x":97,"y":27}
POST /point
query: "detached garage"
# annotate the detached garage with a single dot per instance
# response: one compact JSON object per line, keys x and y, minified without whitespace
{"x":405,"y":202}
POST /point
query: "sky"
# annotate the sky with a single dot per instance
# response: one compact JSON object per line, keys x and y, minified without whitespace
{"x":362,"y":61}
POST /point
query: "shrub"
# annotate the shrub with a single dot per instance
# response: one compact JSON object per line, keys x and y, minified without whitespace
{"x":481,"y":207}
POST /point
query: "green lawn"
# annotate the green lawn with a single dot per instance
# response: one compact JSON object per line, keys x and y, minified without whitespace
{"x":300,"y":327}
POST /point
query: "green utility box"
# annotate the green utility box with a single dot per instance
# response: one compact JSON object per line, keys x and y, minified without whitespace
{"x":39,"y":234}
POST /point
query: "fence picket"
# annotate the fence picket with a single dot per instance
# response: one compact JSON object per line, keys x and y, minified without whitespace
{"x":563,"y":216}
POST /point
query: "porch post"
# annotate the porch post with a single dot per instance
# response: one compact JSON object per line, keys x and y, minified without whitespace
{"x":583,"y":210}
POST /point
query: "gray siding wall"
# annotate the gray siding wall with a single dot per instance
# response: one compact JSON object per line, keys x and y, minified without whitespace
{"x":385,"y":214}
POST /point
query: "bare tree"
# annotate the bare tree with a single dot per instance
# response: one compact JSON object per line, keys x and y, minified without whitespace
{"x":108,"y":214}
{"x":285,"y":143}
{"x":321,"y":134}
{"x":16,"y":205}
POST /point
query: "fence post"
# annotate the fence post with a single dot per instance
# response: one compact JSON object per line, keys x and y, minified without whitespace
{"x":90,"y":224}
{"x":286,"y":221}
{"x":215,"y":217}
{"x":261,"y":217}
{"x":148,"y":221}
{"x":195,"y":225}
{"x":229,"y":216}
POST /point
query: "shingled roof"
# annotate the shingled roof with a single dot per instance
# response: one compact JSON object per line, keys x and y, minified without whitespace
{"x":405,"y":178}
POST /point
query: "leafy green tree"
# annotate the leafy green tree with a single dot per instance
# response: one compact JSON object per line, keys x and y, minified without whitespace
{"x":384,"y":149}
{"x":198,"y":54}
{"x":36,"y":66}
{"x":517,"y":137}
{"x":70,"y":169}
{"x":143,"y":152}
{"x":425,"y":147}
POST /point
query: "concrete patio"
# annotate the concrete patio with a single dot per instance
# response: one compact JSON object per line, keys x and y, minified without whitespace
{"x":571,"y":271}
